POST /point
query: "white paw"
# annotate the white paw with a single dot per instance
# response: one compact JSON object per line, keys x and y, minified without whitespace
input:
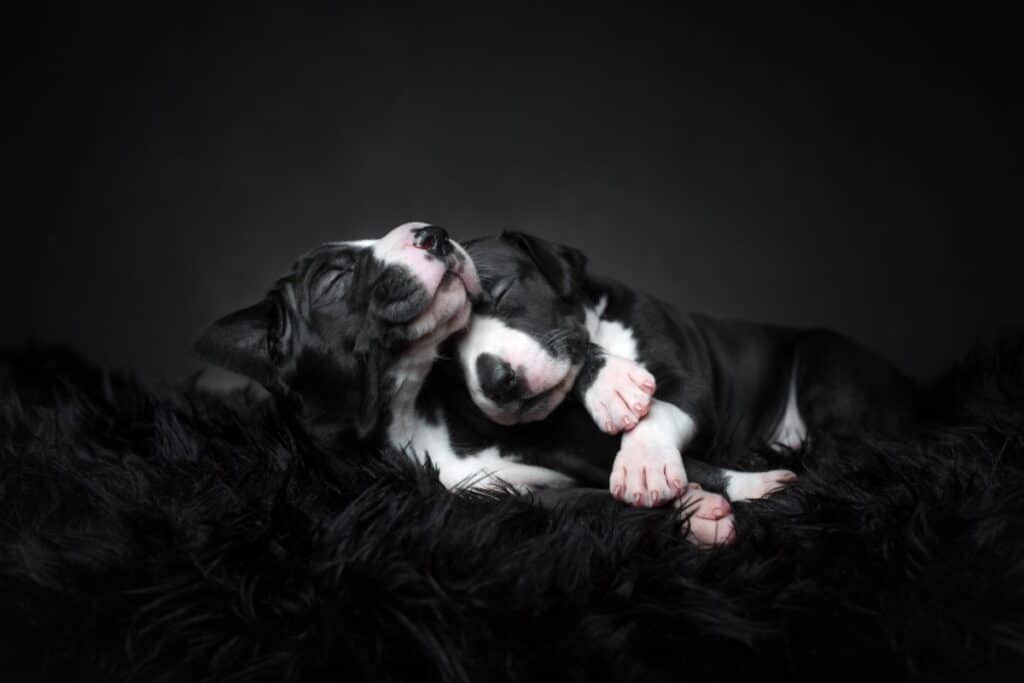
{"x":708,"y":518}
{"x":620,"y":395}
{"x":754,"y":485}
{"x":647,"y":474}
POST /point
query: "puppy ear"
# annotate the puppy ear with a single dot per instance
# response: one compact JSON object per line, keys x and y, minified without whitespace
{"x":563,"y":266}
{"x":239,"y":342}
{"x":337,"y":394}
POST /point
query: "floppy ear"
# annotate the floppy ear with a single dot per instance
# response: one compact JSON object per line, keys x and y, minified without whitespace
{"x":238,"y":342}
{"x":335,"y":394}
{"x":563,"y":266}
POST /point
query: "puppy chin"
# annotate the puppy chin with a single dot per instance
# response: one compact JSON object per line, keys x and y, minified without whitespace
{"x":502,"y":418}
{"x":449,"y":303}
{"x":507,"y":418}
{"x":466,"y":271}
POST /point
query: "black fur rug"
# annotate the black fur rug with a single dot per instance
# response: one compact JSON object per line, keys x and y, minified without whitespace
{"x":164,"y":536}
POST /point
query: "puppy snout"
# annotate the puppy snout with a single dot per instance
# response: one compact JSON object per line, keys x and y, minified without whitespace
{"x":498,"y":379}
{"x":434,"y":240}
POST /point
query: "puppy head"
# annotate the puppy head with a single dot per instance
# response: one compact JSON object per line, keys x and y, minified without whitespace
{"x":528,"y":337}
{"x":335,"y":333}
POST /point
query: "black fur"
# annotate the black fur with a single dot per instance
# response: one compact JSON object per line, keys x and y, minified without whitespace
{"x":732,"y":377}
{"x":324,"y":336}
{"x":173,"y":536}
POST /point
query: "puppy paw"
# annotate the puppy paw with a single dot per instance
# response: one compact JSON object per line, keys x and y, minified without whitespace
{"x":753,"y":485}
{"x":647,"y":474}
{"x":620,"y":395}
{"x":708,"y":520}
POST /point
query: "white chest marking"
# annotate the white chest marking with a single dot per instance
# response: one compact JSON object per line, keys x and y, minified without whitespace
{"x":483,"y":469}
{"x":420,"y":439}
{"x":792,"y":431}
{"x":611,"y":335}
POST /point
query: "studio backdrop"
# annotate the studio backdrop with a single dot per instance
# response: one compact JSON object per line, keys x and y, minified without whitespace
{"x":840,"y":171}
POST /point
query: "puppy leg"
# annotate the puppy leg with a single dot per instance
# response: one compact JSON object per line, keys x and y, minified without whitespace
{"x":648,"y":469}
{"x":753,"y":485}
{"x":620,"y":394}
{"x":738,"y":486}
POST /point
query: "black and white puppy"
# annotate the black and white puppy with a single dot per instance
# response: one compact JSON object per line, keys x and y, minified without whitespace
{"x":348,"y":336}
{"x":739,"y":386}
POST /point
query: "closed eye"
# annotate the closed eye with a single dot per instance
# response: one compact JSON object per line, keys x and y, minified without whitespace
{"x":328,"y":283}
{"x":500,"y":291}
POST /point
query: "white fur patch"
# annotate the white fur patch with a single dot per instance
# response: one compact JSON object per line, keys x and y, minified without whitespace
{"x":611,"y":335}
{"x":594,"y":316}
{"x":791,"y":431}
{"x":484,"y":469}
{"x":616,"y":339}
{"x":754,"y":485}
{"x":398,"y":247}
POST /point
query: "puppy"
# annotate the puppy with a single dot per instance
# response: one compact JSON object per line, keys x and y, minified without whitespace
{"x":347,"y":337}
{"x":545,"y":328}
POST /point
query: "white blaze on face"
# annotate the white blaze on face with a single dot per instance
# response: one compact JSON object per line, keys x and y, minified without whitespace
{"x":399,"y":247}
{"x":537,"y":370}
{"x":449,"y":300}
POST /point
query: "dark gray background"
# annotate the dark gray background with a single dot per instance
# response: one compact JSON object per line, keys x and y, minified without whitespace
{"x":860,"y":172}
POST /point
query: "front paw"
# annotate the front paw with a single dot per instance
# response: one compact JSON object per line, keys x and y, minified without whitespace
{"x":647,"y":474}
{"x":620,"y":395}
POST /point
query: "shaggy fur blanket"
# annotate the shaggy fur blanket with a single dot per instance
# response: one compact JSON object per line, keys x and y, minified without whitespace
{"x":176,"y":535}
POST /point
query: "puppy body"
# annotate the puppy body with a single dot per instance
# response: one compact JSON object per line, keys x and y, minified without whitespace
{"x":728,"y":387}
{"x":347,"y":337}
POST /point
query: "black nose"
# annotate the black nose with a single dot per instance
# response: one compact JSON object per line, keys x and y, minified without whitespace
{"x":497,"y":378}
{"x":433,"y":239}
